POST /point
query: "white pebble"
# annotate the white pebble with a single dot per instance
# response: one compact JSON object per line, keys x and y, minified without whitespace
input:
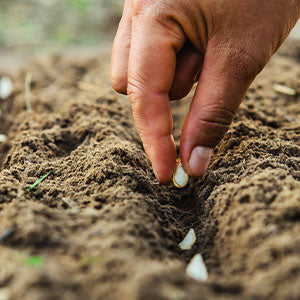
{"x":189,"y":240}
{"x":3,"y":138}
{"x":197,"y":269}
{"x":180,"y":177}
{"x":6,"y":87}
{"x":279,"y":88}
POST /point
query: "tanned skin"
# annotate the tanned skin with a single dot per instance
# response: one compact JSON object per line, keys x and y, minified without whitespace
{"x":163,"y":47}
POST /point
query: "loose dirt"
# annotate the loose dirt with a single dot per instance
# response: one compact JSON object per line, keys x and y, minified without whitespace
{"x":100,"y":227}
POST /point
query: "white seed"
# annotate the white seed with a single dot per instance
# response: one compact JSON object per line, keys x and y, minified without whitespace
{"x":6,"y":87}
{"x":3,"y":138}
{"x":279,"y":88}
{"x":180,"y":178}
{"x":189,"y":240}
{"x":197,"y":269}
{"x":4,"y":294}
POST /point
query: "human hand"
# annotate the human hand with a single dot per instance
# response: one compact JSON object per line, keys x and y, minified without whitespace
{"x":163,"y":47}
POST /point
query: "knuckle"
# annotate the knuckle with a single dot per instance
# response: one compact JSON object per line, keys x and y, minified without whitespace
{"x":212,"y":133}
{"x":209,"y":131}
{"x":215,"y":114}
{"x":151,"y":8}
{"x":295,"y":7}
{"x":139,"y":6}
{"x":162,"y":14}
{"x":134,"y":91}
{"x":132,"y":88}
{"x":137,"y":86}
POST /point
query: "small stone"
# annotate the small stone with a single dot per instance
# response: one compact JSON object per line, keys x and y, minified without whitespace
{"x":180,"y":177}
{"x":196,"y":269}
{"x":6,"y":87}
{"x":282,"y":89}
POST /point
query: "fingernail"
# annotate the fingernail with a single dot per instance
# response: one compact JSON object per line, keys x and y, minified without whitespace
{"x":199,"y":160}
{"x":155,"y":173}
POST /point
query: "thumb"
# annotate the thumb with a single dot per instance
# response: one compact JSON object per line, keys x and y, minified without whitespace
{"x":226,"y":75}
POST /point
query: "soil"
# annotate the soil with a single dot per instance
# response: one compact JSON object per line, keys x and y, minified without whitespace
{"x":101,"y":227}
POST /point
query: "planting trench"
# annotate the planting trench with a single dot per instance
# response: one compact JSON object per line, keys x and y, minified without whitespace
{"x":100,"y":227}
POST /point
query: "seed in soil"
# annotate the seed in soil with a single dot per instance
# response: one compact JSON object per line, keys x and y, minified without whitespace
{"x":188,"y":241}
{"x":197,"y":269}
{"x":3,"y":138}
{"x":180,"y":177}
{"x":6,"y":87}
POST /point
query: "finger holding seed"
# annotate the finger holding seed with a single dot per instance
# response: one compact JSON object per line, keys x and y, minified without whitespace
{"x":162,"y":47}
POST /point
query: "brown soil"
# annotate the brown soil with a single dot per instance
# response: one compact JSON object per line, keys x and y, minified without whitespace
{"x":105,"y":229}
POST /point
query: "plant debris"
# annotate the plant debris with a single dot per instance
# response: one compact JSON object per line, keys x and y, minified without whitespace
{"x":37,"y":182}
{"x":34,"y":261}
{"x":91,"y":260}
{"x":283,"y":89}
{"x":28,"y":92}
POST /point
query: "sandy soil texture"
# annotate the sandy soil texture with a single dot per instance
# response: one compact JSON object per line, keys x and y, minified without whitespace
{"x":100,"y":227}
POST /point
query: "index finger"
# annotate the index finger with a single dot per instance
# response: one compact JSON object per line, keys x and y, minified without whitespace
{"x":151,"y":69}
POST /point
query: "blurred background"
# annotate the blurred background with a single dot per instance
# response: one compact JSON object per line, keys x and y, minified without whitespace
{"x":51,"y":24}
{"x":27,"y":26}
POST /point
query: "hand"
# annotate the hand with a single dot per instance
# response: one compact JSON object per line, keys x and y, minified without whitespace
{"x":163,"y":47}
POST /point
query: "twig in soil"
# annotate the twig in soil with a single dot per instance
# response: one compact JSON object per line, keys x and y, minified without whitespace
{"x":91,"y":260}
{"x":282,"y":89}
{"x":88,"y":87}
{"x":92,"y":88}
{"x":37,"y":182}
{"x":28,"y":92}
